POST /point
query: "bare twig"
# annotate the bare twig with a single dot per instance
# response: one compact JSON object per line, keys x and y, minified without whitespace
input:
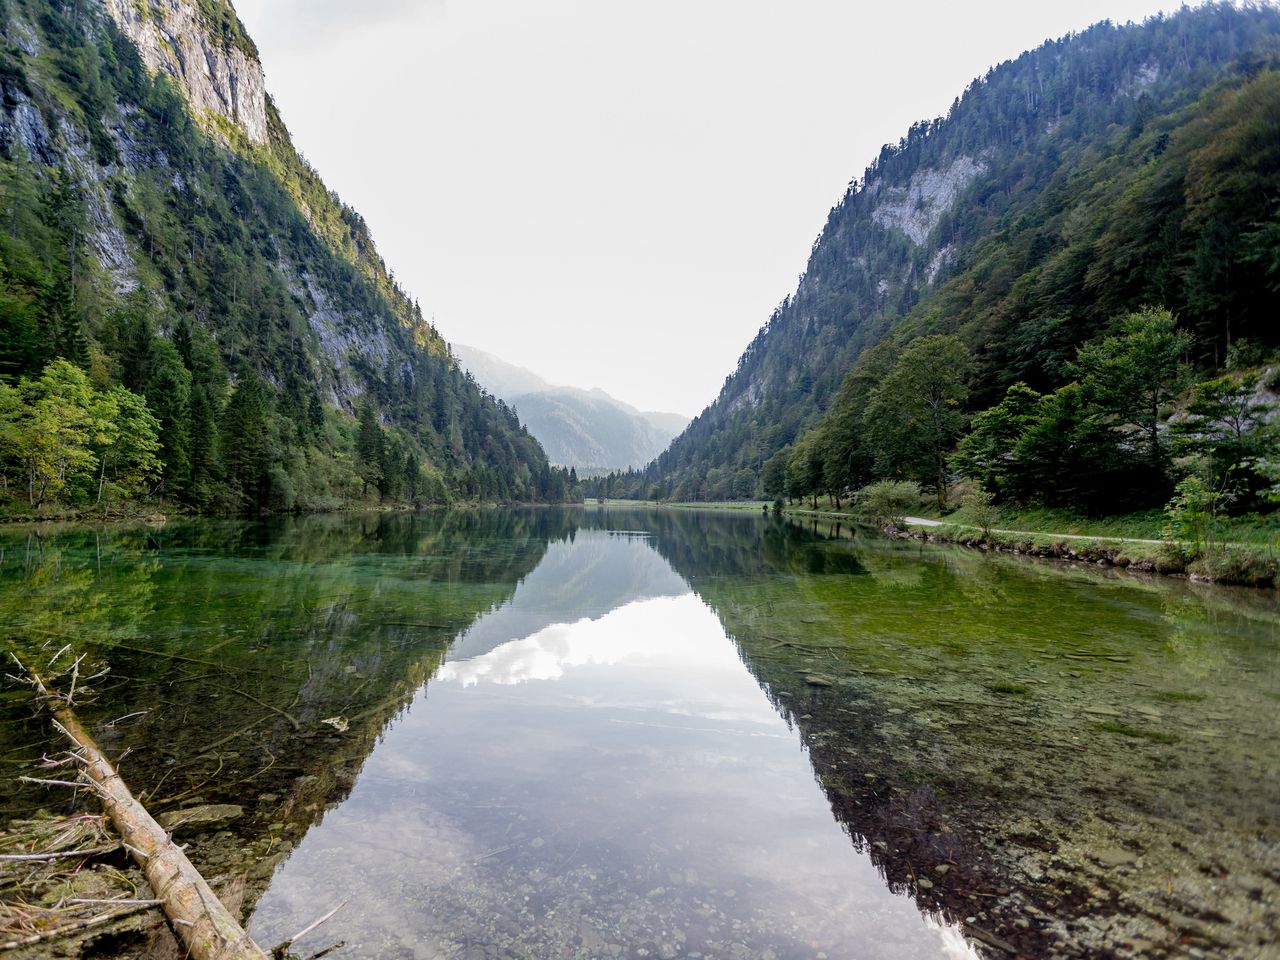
{"x":204,"y":926}
{"x":283,"y":949}
{"x":262,"y":703}
{"x":54,"y":783}
{"x":70,"y":928}
{"x":20,"y":857}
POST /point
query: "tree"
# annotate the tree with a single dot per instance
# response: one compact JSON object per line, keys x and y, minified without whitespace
{"x":244,"y":437}
{"x":1131,"y":374}
{"x":915,"y":415}
{"x":206,"y":462}
{"x":987,"y":453}
{"x":887,"y":501}
{"x":130,"y":462}
{"x":1223,"y":412}
{"x":57,"y":429}
{"x":773,"y":476}
{"x":804,"y":472}
{"x":1069,"y":456}
{"x":370,"y":451}
{"x":168,"y":393}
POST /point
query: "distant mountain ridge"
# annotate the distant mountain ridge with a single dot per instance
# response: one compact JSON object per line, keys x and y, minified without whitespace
{"x":585,"y":429}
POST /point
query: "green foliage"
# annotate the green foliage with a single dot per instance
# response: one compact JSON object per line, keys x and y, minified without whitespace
{"x":229,"y":253}
{"x":1095,"y":191}
{"x":1269,"y":469}
{"x":130,"y":458}
{"x":888,"y":501}
{"x":1192,"y":514}
{"x":804,"y":472}
{"x":986,"y":453}
{"x":983,"y":511}
{"x":915,"y":415}
{"x":1227,"y":426}
{"x":773,"y":477}
{"x":66,"y":443}
{"x":1131,"y":375}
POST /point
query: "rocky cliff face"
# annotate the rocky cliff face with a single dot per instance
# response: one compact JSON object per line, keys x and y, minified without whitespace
{"x":219,"y":74}
{"x":136,"y":203}
{"x":910,"y":246}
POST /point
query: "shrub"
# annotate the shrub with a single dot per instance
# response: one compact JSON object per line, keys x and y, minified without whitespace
{"x":983,"y":511}
{"x":888,"y":501}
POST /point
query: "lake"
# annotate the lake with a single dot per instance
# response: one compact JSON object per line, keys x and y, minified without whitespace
{"x":625,"y":733}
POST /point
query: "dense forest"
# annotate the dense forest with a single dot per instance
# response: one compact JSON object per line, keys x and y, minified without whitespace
{"x":1065,"y":290}
{"x":190,"y":317}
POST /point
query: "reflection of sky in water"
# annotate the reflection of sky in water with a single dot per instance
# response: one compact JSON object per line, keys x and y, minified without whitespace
{"x":591,"y":785}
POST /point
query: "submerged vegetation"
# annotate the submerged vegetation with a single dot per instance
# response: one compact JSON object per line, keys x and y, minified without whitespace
{"x":1087,"y":740}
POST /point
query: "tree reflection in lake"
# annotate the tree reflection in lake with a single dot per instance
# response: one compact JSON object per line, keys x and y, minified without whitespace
{"x":593,"y":772}
{"x":1055,"y":758}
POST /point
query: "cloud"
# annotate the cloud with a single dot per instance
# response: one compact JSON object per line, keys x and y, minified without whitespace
{"x":650,"y":629}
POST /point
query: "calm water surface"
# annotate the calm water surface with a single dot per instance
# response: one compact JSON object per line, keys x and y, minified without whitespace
{"x":594,"y":734}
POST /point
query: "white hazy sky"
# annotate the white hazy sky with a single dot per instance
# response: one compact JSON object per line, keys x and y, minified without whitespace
{"x":618,"y":194}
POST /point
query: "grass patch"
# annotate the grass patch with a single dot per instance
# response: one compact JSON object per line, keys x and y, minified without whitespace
{"x":1014,"y":688}
{"x":1136,"y":732}
{"x":1177,"y":696}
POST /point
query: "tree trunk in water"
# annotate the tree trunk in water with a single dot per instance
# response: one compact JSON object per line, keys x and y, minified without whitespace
{"x":204,"y":926}
{"x":102,"y":482}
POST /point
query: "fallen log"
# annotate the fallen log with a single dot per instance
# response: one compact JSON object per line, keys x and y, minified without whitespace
{"x":202,"y":924}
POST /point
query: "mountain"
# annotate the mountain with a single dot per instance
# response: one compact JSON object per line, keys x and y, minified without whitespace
{"x":584,"y":429}
{"x":1114,"y":169}
{"x":164,"y":236}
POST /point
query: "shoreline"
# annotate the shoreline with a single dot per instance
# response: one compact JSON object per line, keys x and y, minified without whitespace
{"x":1134,"y":554}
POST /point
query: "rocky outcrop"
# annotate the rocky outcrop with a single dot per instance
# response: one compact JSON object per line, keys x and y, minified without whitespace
{"x":220,"y":77}
{"x":917,"y":208}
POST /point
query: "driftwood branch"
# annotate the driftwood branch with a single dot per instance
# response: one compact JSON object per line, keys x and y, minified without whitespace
{"x":23,"y":857}
{"x":282,"y":951}
{"x":204,"y":926}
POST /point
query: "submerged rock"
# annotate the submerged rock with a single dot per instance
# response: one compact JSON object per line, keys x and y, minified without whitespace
{"x":1114,"y":857}
{"x":203,"y":817}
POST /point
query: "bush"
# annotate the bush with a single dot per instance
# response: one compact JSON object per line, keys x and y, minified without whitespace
{"x":983,"y":511}
{"x":887,"y":501}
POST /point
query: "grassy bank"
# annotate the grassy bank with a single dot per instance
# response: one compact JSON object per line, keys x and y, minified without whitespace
{"x":1244,"y":550}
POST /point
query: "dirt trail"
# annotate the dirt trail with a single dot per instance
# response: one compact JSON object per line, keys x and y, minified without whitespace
{"x":926,"y":522}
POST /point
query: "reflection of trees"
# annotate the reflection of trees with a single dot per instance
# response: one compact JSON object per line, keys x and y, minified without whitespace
{"x":75,"y":587}
{"x":951,"y":688}
{"x":708,"y":544}
{"x":220,"y":627}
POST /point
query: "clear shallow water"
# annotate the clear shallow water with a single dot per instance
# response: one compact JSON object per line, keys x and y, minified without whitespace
{"x":593,"y":787}
{"x":565,"y":733}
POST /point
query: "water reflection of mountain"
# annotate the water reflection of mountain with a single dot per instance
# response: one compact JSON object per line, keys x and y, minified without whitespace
{"x":1029,"y":749}
{"x":599,"y":571}
{"x":234,"y":644}
{"x":900,"y":665}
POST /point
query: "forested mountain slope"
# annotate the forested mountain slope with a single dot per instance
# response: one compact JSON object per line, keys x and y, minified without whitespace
{"x":587,"y":430}
{"x":1122,"y":167}
{"x":165,"y":239}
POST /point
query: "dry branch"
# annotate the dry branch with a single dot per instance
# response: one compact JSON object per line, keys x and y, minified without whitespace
{"x":203,"y":925}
